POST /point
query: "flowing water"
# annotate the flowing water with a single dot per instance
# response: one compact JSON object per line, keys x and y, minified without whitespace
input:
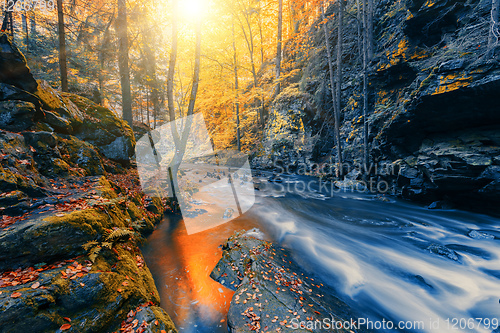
{"x":395,"y":262}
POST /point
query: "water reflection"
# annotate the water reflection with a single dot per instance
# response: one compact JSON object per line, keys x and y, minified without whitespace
{"x":181,"y":265}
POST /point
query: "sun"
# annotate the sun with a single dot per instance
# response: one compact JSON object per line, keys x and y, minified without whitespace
{"x":193,"y":9}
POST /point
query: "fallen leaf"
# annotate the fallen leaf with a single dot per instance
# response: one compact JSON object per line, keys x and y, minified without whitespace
{"x":65,"y":327}
{"x":15,"y":295}
{"x":35,"y":285}
{"x":60,"y":214}
{"x":67,"y":319}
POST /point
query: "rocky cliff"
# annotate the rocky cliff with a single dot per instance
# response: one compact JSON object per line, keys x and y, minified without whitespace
{"x":433,"y":116}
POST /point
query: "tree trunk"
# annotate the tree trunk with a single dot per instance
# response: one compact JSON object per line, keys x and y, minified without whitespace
{"x":278,"y":47}
{"x":123,"y":61}
{"x":369,"y":31}
{"x":366,"y":59}
{"x":260,"y":34}
{"x":33,"y":24}
{"x":494,"y":31}
{"x":332,"y":89}
{"x":359,"y":26}
{"x":62,"y":47}
{"x":24,"y":19}
{"x":236,"y":103}
{"x":147,"y":107}
{"x":340,"y":42}
{"x":181,"y":147}
{"x":171,"y":74}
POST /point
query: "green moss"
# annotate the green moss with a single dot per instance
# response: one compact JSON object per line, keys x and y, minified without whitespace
{"x":81,"y":155}
{"x":60,"y":167}
{"x":101,"y":117}
{"x":48,"y":96}
{"x":162,"y":317}
{"x":134,"y":212}
{"x":140,"y":286}
{"x":91,"y":221}
{"x":106,"y":189}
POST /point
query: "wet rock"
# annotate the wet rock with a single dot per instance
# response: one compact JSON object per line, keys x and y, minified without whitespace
{"x":440,"y":205}
{"x":271,"y":291}
{"x":45,"y":138}
{"x":480,"y":235}
{"x":228,"y":213}
{"x":451,"y":65}
{"x":95,"y":297}
{"x":443,"y":251}
{"x":16,"y":116}
{"x":11,"y":93}
{"x":13,"y":67}
{"x":59,"y":124}
{"x":119,"y":150}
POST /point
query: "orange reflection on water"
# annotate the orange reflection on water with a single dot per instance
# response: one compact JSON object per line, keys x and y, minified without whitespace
{"x":181,"y":265}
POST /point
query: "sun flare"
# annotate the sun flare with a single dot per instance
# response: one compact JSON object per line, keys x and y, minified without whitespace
{"x":193,"y":9}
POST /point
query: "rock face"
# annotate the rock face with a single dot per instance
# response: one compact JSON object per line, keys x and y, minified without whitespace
{"x":13,"y":68}
{"x":433,"y":113}
{"x":28,"y":105}
{"x":290,"y":138}
{"x":272,"y":293}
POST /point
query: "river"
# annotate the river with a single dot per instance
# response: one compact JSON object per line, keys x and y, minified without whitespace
{"x":393,"y":261}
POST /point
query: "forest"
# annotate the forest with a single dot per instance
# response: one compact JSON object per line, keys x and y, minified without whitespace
{"x":249,"y":165}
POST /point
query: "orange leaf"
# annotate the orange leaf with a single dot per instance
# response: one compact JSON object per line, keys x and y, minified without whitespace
{"x":163,"y":331}
{"x":156,"y":322}
{"x":119,"y":290}
{"x":65,"y":327}
{"x":15,"y":295}
{"x":35,"y":285}
{"x":125,"y":283}
{"x":67,"y":319}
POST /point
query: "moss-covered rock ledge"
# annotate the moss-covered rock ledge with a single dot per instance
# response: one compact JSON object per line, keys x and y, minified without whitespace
{"x":81,"y":265}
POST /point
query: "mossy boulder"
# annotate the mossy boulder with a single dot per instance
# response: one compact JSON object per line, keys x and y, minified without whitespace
{"x":63,"y":115}
{"x":111,"y":135}
{"x":116,"y":286}
{"x":81,"y":154}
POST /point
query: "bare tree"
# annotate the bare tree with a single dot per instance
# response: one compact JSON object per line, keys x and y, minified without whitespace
{"x":367,"y":52}
{"x":236,"y":103}
{"x":333,"y":91}
{"x":247,"y":11}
